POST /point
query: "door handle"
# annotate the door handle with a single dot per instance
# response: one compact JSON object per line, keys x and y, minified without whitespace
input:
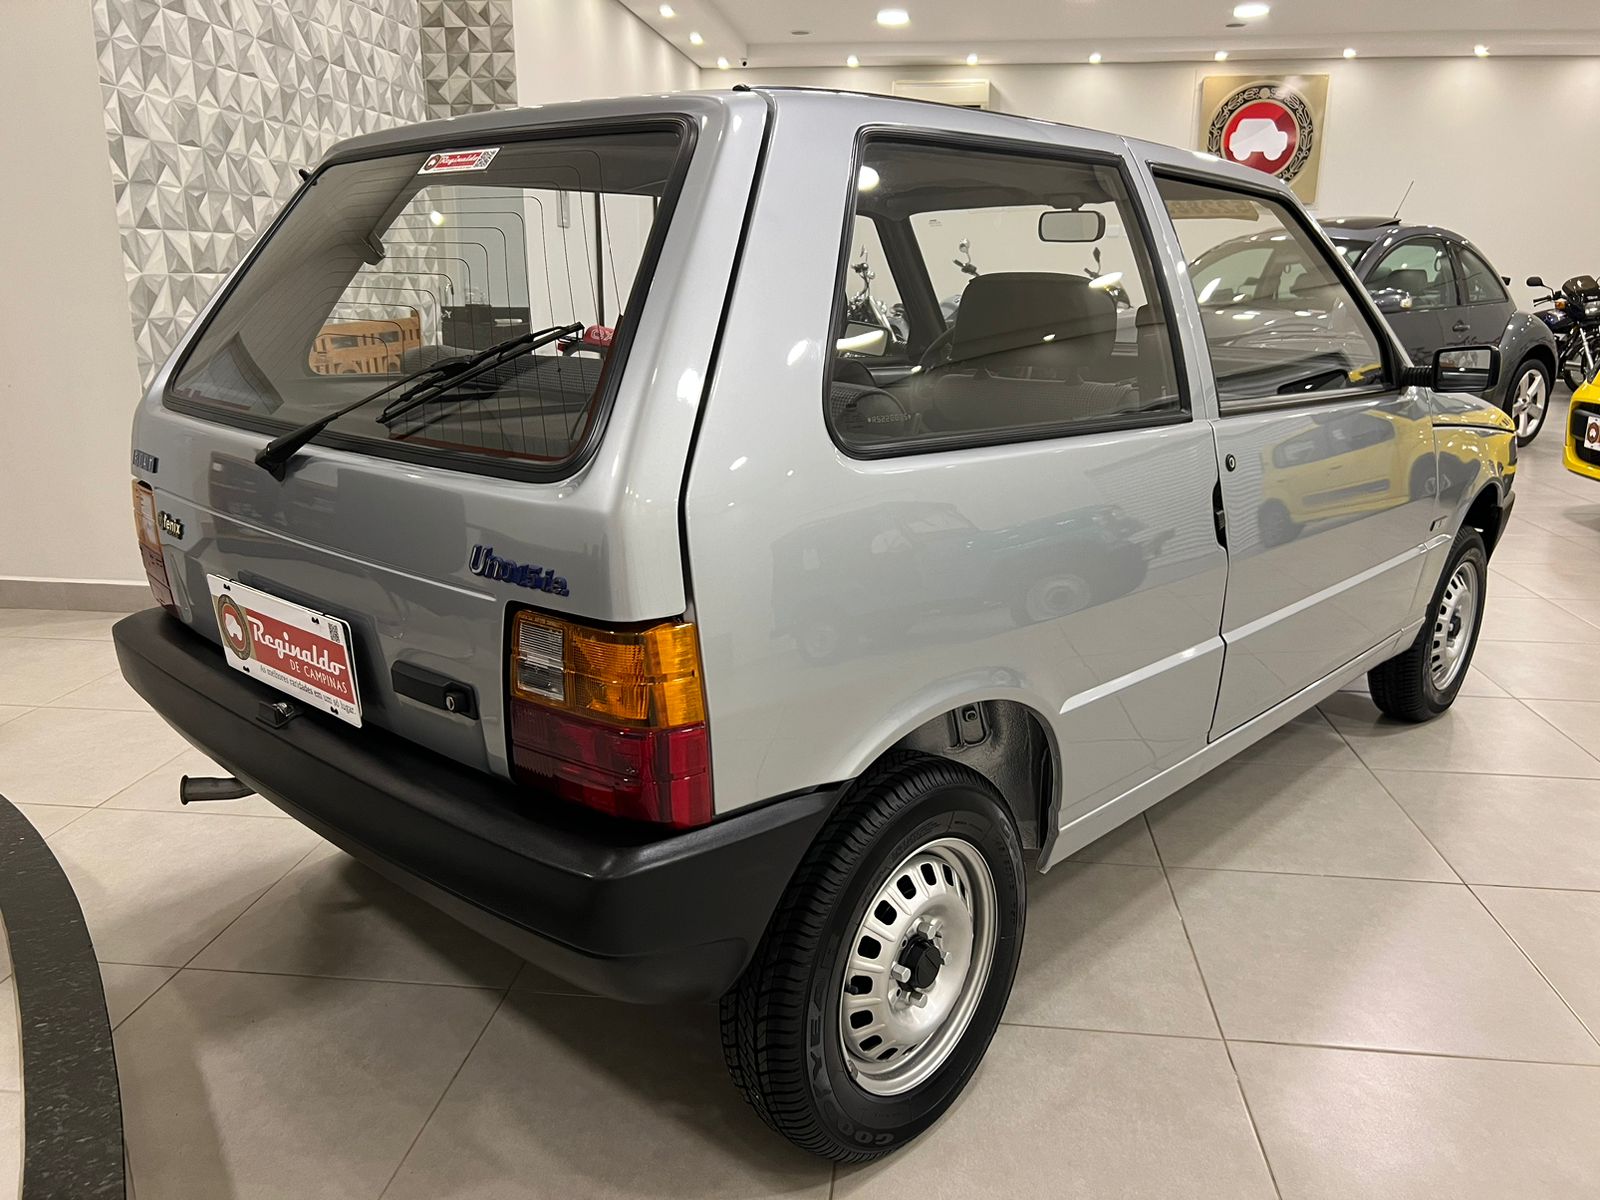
{"x":1461,"y":327}
{"x":1219,"y":515}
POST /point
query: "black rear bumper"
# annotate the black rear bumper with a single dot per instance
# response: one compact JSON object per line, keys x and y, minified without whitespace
{"x":622,"y":911}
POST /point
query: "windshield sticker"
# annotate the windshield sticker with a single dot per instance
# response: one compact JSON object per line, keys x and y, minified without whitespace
{"x":458,"y":160}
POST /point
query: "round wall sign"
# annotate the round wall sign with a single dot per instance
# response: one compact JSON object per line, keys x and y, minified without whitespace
{"x":1266,"y":127}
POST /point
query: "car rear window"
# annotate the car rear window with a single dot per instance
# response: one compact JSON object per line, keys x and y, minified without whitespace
{"x":388,"y":265}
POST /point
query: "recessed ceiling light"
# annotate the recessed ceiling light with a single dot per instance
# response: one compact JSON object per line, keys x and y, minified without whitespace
{"x":667,"y":11}
{"x":1095,"y":57}
{"x":1249,"y":12}
{"x":722,"y":63}
{"x":893,"y":18}
{"x":1221,"y":56}
{"x":972,"y":60}
{"x":852,"y":61}
{"x":1349,"y":51}
{"x":1481,"y":50}
{"x":695,"y":39}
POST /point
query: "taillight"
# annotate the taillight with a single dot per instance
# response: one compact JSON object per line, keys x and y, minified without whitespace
{"x":612,"y":719}
{"x":148,"y":526}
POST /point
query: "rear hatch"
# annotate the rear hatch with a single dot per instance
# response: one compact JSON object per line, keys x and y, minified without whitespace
{"x":550,"y":481}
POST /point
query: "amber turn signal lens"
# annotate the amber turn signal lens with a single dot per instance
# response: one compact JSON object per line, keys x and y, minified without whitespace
{"x":646,"y":678}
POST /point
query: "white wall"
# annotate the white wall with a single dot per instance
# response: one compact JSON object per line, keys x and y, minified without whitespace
{"x":70,"y":380}
{"x":585,"y":49}
{"x":1500,"y":147}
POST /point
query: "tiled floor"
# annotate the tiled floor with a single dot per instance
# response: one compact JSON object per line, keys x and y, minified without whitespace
{"x":1361,"y":961}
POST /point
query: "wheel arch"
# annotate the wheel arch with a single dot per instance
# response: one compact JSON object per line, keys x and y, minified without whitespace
{"x":1487,"y":515}
{"x":1007,"y":741}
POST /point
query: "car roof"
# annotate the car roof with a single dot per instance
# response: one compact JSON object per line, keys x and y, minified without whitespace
{"x":467,"y":129}
{"x":1372,"y":229}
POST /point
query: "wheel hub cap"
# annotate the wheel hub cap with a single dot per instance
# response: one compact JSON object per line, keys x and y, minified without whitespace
{"x":1527,"y":407}
{"x":917,"y":966}
{"x":1453,"y":625}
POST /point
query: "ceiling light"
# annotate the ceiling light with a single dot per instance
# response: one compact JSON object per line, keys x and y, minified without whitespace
{"x":695,"y":39}
{"x":1095,"y":57}
{"x":1221,"y":56}
{"x":1349,"y":51}
{"x":1249,"y":12}
{"x":867,"y":179}
{"x":1481,"y":50}
{"x":972,"y":60}
{"x":667,"y":11}
{"x":852,"y":61}
{"x":722,"y":63}
{"x":893,"y":18}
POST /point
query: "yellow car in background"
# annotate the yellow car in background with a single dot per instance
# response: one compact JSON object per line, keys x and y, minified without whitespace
{"x":1582,"y":452}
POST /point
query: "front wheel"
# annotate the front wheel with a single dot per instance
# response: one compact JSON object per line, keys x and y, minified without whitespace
{"x":883,"y":974}
{"x":1530,"y":399}
{"x":1422,"y":681}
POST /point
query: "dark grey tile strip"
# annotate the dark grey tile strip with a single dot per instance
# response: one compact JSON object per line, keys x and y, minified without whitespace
{"x":72,"y":1112}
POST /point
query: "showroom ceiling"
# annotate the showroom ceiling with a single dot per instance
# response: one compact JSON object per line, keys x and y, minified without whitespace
{"x":783,"y":33}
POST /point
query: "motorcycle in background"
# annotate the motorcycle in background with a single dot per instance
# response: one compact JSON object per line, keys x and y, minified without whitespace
{"x":1572,"y":313}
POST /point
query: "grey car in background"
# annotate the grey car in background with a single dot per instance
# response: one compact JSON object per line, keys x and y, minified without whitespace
{"x":1435,"y":288}
{"x":1438,"y":290}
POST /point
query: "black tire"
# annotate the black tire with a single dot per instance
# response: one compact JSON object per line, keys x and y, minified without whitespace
{"x":1404,"y":687}
{"x":780,"y":1023}
{"x":1525,"y":366}
{"x":1572,"y":375}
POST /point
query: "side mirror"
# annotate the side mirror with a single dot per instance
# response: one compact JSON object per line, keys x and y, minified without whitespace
{"x":1457,"y":369}
{"x":1392,"y":300}
{"x":861,"y":338}
{"x":1071,"y":225}
{"x":1535,"y":281}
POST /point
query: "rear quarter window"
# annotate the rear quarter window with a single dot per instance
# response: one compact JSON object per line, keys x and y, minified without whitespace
{"x":390,"y":264}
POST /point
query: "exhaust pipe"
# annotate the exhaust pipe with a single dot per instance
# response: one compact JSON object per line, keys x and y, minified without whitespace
{"x":201,"y":787}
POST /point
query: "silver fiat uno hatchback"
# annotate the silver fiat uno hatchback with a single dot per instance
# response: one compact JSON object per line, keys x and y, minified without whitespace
{"x":708,"y":541}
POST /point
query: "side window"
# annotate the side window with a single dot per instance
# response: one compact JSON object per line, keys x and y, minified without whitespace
{"x":1479,"y":283}
{"x":1419,"y":273}
{"x":1023,"y":296}
{"x":1300,"y":330}
{"x":873,"y":324}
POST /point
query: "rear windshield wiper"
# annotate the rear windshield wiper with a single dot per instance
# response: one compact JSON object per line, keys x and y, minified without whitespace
{"x":479,"y":364}
{"x":274,"y":457}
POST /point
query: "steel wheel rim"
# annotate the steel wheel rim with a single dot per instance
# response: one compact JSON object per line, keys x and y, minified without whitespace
{"x":1453,"y":625}
{"x":1531,"y":399}
{"x":892,"y":1040}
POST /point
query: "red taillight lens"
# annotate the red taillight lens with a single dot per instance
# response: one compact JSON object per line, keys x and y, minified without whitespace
{"x":657,"y":775}
{"x":147,"y":525}
{"x":612,"y":719}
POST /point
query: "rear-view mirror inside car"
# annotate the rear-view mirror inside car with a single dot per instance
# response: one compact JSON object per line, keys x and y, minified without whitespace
{"x":1071,"y":225}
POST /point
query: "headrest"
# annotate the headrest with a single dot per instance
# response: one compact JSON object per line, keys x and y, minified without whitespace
{"x":1408,"y":279}
{"x":1032,"y":318}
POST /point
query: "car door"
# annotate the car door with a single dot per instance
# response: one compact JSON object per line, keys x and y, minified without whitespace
{"x":1414,"y":285}
{"x":1486,"y":306}
{"x":1328,"y":471}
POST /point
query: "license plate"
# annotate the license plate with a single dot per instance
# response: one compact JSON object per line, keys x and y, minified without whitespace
{"x":1591,"y":434}
{"x":294,"y":648}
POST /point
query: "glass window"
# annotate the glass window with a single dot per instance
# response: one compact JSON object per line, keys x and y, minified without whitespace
{"x":872,"y":298}
{"x":389,"y":264}
{"x":1296,"y":328}
{"x":1351,"y":251}
{"x":1418,"y":271}
{"x":1479,"y":283}
{"x":1018,"y":294}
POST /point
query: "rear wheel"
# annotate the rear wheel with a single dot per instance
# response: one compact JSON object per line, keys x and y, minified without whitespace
{"x":1530,"y":399}
{"x":887,"y":965}
{"x":1422,"y":681}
